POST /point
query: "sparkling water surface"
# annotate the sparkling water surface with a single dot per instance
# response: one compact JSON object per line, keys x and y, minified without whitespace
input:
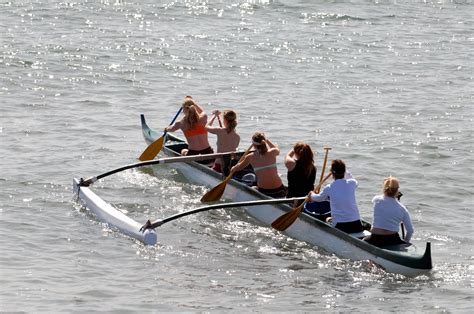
{"x":387,"y":84}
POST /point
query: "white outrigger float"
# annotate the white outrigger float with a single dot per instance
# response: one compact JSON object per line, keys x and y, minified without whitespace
{"x":111,"y":215}
{"x":405,"y":259}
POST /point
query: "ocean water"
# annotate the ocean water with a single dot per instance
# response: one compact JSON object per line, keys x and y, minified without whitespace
{"x":387,"y":84}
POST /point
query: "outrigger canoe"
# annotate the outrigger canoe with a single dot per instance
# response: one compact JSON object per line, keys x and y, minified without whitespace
{"x":404,"y":259}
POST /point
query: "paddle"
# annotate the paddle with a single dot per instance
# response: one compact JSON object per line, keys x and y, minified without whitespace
{"x":402,"y":226}
{"x":327,"y":149}
{"x":159,"y":222}
{"x":155,"y":162}
{"x":287,"y":219}
{"x":154,"y":148}
{"x":216,"y":192}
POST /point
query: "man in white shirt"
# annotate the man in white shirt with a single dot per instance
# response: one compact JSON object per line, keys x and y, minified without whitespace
{"x":341,"y":195}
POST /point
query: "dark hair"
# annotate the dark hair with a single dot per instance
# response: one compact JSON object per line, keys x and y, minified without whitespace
{"x":257,"y":140}
{"x":231,"y":117}
{"x":305,"y":156}
{"x":338,"y":168}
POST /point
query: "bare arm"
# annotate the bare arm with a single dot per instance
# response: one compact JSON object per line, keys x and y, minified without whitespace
{"x":290,"y":161}
{"x":198,"y":108}
{"x":203,"y":117}
{"x":244,"y":162}
{"x":209,"y":127}
{"x":211,"y":121}
{"x":272,"y":147}
{"x":178,"y":125}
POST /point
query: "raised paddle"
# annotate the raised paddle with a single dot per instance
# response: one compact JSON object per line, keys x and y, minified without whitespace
{"x":154,"y":148}
{"x":216,"y":192}
{"x":159,"y":222}
{"x":169,"y":160}
{"x":287,"y":219}
{"x":327,"y":149}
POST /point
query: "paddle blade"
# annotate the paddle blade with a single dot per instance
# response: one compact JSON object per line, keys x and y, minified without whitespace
{"x":152,"y":150}
{"x":287,"y":219}
{"x":215,"y":193}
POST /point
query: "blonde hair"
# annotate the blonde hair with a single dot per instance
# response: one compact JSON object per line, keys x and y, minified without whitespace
{"x":390,"y":186}
{"x":231,"y":117}
{"x":257,"y":140}
{"x":191,"y":116}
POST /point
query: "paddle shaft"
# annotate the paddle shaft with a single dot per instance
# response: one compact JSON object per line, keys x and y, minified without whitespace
{"x":216,"y":192}
{"x":154,"y":148}
{"x":155,"y":162}
{"x":160,"y":222}
{"x":174,"y":119}
{"x":324,"y":167}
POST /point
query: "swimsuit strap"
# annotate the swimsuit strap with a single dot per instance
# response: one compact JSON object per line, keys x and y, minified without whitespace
{"x":264,"y":167}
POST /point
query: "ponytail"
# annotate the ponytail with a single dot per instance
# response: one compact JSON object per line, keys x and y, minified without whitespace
{"x":191,"y":116}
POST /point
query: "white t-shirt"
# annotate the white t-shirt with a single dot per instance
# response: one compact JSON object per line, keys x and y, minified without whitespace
{"x":341,"y":195}
{"x":388,"y":213}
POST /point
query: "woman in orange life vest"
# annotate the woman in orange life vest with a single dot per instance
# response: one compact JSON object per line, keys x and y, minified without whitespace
{"x":227,"y":139}
{"x":263,"y":161}
{"x":193,"y":125}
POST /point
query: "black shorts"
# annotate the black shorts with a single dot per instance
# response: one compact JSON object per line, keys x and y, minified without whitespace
{"x":385,"y":240}
{"x":350,"y":227}
{"x":279,"y":192}
{"x":208,"y":150}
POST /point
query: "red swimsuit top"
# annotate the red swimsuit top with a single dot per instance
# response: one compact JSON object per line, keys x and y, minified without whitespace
{"x":199,"y":129}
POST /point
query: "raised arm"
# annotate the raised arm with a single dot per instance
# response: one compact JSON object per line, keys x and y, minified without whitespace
{"x":209,"y":127}
{"x":272,"y":147}
{"x":199,"y":109}
{"x":202,"y":114}
{"x":290,"y":161}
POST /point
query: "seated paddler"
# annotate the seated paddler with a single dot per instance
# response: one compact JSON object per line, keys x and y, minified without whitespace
{"x":388,"y":214}
{"x":193,"y":125}
{"x":227,"y":138}
{"x":342,"y":198}
{"x":263,"y":161}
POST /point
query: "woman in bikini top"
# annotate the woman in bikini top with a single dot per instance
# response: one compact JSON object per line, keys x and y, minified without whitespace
{"x":193,"y":125}
{"x":227,"y":138}
{"x":263,"y":161}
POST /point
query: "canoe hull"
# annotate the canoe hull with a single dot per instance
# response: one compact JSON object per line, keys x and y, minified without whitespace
{"x":306,"y":228}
